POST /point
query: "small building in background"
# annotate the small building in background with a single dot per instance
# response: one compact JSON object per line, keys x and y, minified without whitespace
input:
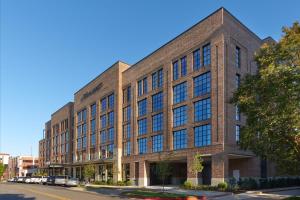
{"x":22,"y":166}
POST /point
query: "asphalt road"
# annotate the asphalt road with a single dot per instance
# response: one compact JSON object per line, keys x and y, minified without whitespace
{"x":18,"y":191}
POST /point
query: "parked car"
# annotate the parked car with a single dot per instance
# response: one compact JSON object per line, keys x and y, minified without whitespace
{"x":36,"y":179}
{"x":60,"y":180}
{"x":50,"y":180}
{"x":21,"y":179}
{"x":27,"y":180}
{"x":72,"y":182}
{"x":43,"y":180}
{"x":10,"y":180}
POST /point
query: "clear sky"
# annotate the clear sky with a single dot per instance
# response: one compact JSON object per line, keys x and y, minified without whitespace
{"x":50,"y":49}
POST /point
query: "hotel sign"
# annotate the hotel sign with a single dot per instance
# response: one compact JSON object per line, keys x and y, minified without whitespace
{"x":91,"y":92}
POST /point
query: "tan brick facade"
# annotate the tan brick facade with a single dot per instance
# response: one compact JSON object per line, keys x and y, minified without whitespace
{"x":97,"y":131}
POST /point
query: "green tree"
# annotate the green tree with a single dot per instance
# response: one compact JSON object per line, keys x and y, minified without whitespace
{"x":2,"y":168}
{"x":89,"y":171}
{"x":197,"y":165}
{"x":271,"y":102}
{"x":164,"y":168}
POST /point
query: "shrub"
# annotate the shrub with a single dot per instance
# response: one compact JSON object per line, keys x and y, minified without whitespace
{"x":187,"y":185}
{"x":222,"y":186}
{"x":248,"y":183}
{"x":121,"y":183}
{"x":128,"y":183}
{"x":99,"y":182}
{"x":109,"y":182}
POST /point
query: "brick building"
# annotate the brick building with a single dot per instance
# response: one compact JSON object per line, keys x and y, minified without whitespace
{"x":22,"y":166}
{"x":172,"y":104}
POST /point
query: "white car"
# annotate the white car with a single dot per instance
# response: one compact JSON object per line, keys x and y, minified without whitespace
{"x":60,"y":180}
{"x":72,"y":182}
{"x":28,"y":180}
{"x":43,"y":180}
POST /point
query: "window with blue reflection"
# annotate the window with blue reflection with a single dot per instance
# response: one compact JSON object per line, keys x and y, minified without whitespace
{"x":157,"y":122}
{"x":157,"y":102}
{"x":142,"y":145}
{"x":202,"y":135}
{"x":142,"y":107}
{"x":175,"y":70}
{"x":180,"y":92}
{"x":196,"y":59}
{"x":206,"y":54}
{"x":183,"y":66}
{"x":179,"y":139}
{"x":202,"y":84}
{"x":202,"y":110}
{"x":157,"y":143}
{"x":142,"y":126}
{"x":179,"y":116}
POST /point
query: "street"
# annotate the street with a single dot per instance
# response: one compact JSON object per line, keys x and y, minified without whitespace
{"x":16,"y":191}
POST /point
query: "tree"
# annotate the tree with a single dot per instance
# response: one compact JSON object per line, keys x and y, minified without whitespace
{"x":197,"y":165}
{"x":164,"y":168}
{"x":2,"y":169}
{"x":89,"y":171}
{"x":270,"y":100}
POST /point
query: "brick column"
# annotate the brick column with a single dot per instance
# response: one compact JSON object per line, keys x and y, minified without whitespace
{"x":219,"y":168}
{"x":132,"y":172}
{"x":191,"y":177}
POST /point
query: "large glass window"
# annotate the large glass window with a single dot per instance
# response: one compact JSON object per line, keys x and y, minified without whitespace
{"x":103,"y":136}
{"x":111,"y":101}
{"x":175,"y":70}
{"x":140,"y":88}
{"x":202,"y":84}
{"x":110,"y":150}
{"x":84,"y":115}
{"x":93,"y":110}
{"x":127,"y":94}
{"x":237,"y":113}
{"x":237,"y":133}
{"x":142,"y":144}
{"x":142,"y":107}
{"x":126,"y":131}
{"x":157,"y":143}
{"x":103,"y":105}
{"x":126,"y":114}
{"x":93,"y":126}
{"x":202,"y":110}
{"x":196,"y":59}
{"x":145,"y":86}
{"x":126,"y":148}
{"x":180,"y":93}
{"x":93,"y":139}
{"x":157,"y":122}
{"x":237,"y":57}
{"x":183,"y":66}
{"x":111,"y":118}
{"x":179,"y":139}
{"x":206,"y":54}
{"x":103,"y":121}
{"x":111,"y":133}
{"x":157,"y":102}
{"x":84,"y":142}
{"x":202,"y":135}
{"x":157,"y":79}
{"x":142,"y":126}
{"x":179,"y":116}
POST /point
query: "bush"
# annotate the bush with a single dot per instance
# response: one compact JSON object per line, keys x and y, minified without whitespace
{"x":99,"y":182}
{"x":109,"y":182}
{"x":248,"y":183}
{"x":222,"y":186}
{"x":121,"y":183}
{"x":128,"y":183}
{"x":187,"y":185}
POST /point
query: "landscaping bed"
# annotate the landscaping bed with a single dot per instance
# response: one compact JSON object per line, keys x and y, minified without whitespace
{"x":153,"y":195}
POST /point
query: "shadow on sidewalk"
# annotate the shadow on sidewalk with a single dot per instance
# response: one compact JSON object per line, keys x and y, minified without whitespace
{"x":15,"y":197}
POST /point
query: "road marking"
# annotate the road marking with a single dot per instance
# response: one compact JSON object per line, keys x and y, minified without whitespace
{"x":46,"y":194}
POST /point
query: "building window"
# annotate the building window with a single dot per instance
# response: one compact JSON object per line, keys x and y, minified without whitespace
{"x":103,"y":154}
{"x":81,"y":116}
{"x":180,"y":92}
{"x":110,"y":150}
{"x":157,"y":122}
{"x":175,"y":70}
{"x":111,"y":133}
{"x":93,"y":110}
{"x":142,"y":107}
{"x":84,"y":129}
{"x":142,"y":87}
{"x":237,"y":57}
{"x":157,"y":143}
{"x":111,"y":118}
{"x":196,"y":59}
{"x":157,"y":79}
{"x":157,"y":102}
{"x":93,"y":139}
{"x":93,"y":126}
{"x":237,"y":113}
{"x":202,"y":135}
{"x":84,"y":142}
{"x":127,"y":95}
{"x":142,"y":143}
{"x":179,"y":139}
{"x":126,"y":114}
{"x":206,"y":54}
{"x":126,"y":148}
{"x":126,"y":131}
{"x":111,"y":101}
{"x":183,"y":66}
{"x":202,"y":84}
{"x":103,"y":105}
{"x":237,"y":133}
{"x":103,"y":121}
{"x":179,"y":116}
{"x":142,"y":126}
{"x":103,"y":136}
{"x":237,"y":80}
{"x":79,"y":144}
{"x":202,"y":110}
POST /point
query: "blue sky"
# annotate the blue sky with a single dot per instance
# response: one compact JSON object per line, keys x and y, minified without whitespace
{"x":50,"y":49}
